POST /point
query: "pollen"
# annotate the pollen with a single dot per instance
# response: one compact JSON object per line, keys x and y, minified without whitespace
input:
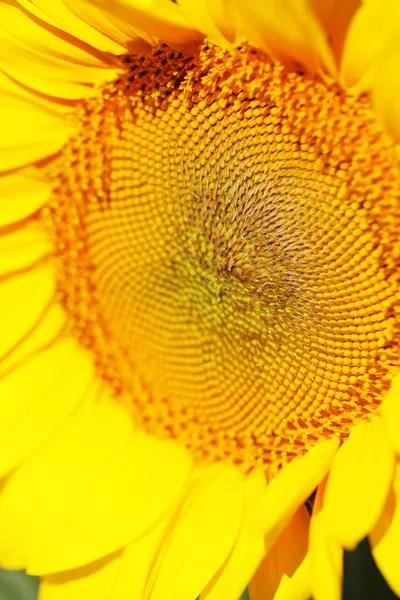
{"x":227,"y":239}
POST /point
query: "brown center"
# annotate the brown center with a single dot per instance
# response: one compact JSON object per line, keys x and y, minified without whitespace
{"x":228,"y":241}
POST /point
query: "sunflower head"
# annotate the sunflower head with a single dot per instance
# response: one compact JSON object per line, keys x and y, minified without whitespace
{"x":227,"y":238}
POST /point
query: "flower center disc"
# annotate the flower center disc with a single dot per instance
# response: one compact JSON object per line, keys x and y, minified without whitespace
{"x":228,"y":241}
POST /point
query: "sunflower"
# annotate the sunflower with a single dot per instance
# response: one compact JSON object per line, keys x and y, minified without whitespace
{"x":200,"y":296}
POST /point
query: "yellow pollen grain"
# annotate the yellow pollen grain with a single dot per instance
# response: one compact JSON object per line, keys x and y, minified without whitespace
{"x":227,"y":238}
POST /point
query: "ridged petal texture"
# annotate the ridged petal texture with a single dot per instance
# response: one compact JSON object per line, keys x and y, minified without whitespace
{"x":32,"y":129}
{"x":155,"y":19}
{"x":80,"y":19}
{"x":359,"y":482}
{"x":66,"y":72}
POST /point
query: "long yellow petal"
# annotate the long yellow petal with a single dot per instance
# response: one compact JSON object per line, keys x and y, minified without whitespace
{"x":386,"y":91}
{"x":47,"y":59}
{"x":249,"y":549}
{"x":105,"y":22}
{"x":22,"y":248}
{"x":13,"y":93}
{"x":36,"y":399}
{"x":373,"y":30}
{"x":282,"y":562}
{"x":358,"y":484}
{"x":291,"y":488}
{"x":385,"y":538}
{"x":60,"y":466}
{"x":32,"y":128}
{"x":212,"y":18}
{"x":155,"y":19}
{"x":61,"y":14}
{"x":287,"y":29}
{"x":24,"y":299}
{"x":326,"y":556}
{"x":21,"y":195}
{"x":28,"y":134}
{"x":127,"y":479}
{"x":138,"y":557}
{"x":127,"y":494}
{"x":48,"y":328}
{"x":335,"y":17}
{"x":201,"y":535}
{"x":390,"y":411}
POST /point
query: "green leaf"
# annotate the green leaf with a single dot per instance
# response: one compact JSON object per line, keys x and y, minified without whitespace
{"x":16,"y":585}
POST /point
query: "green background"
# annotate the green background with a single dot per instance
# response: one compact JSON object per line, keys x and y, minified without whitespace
{"x":15,"y":585}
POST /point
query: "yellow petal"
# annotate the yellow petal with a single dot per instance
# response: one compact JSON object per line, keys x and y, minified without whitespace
{"x":385,"y":538}
{"x":21,"y":195}
{"x":386,"y":91}
{"x":282,"y":561}
{"x":23,"y":301}
{"x":358,"y":484}
{"x":45,"y":332}
{"x":326,"y":556}
{"x":335,"y":17}
{"x":61,"y":14}
{"x":291,"y":488}
{"x":32,"y":128}
{"x":86,"y":440}
{"x":101,"y":20}
{"x":287,"y":29}
{"x":29,"y":134}
{"x":374,"y":28}
{"x":237,"y":571}
{"x":211,"y":18}
{"x":158,"y":19}
{"x":128,"y":480}
{"x":200,"y":537}
{"x":138,"y":558}
{"x":297,"y":587}
{"x":13,"y":93}
{"x":47,"y":59}
{"x":127,"y":494}
{"x":37,"y":398}
{"x":390,"y":411}
{"x":22,"y":248}
{"x":96,"y":580}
